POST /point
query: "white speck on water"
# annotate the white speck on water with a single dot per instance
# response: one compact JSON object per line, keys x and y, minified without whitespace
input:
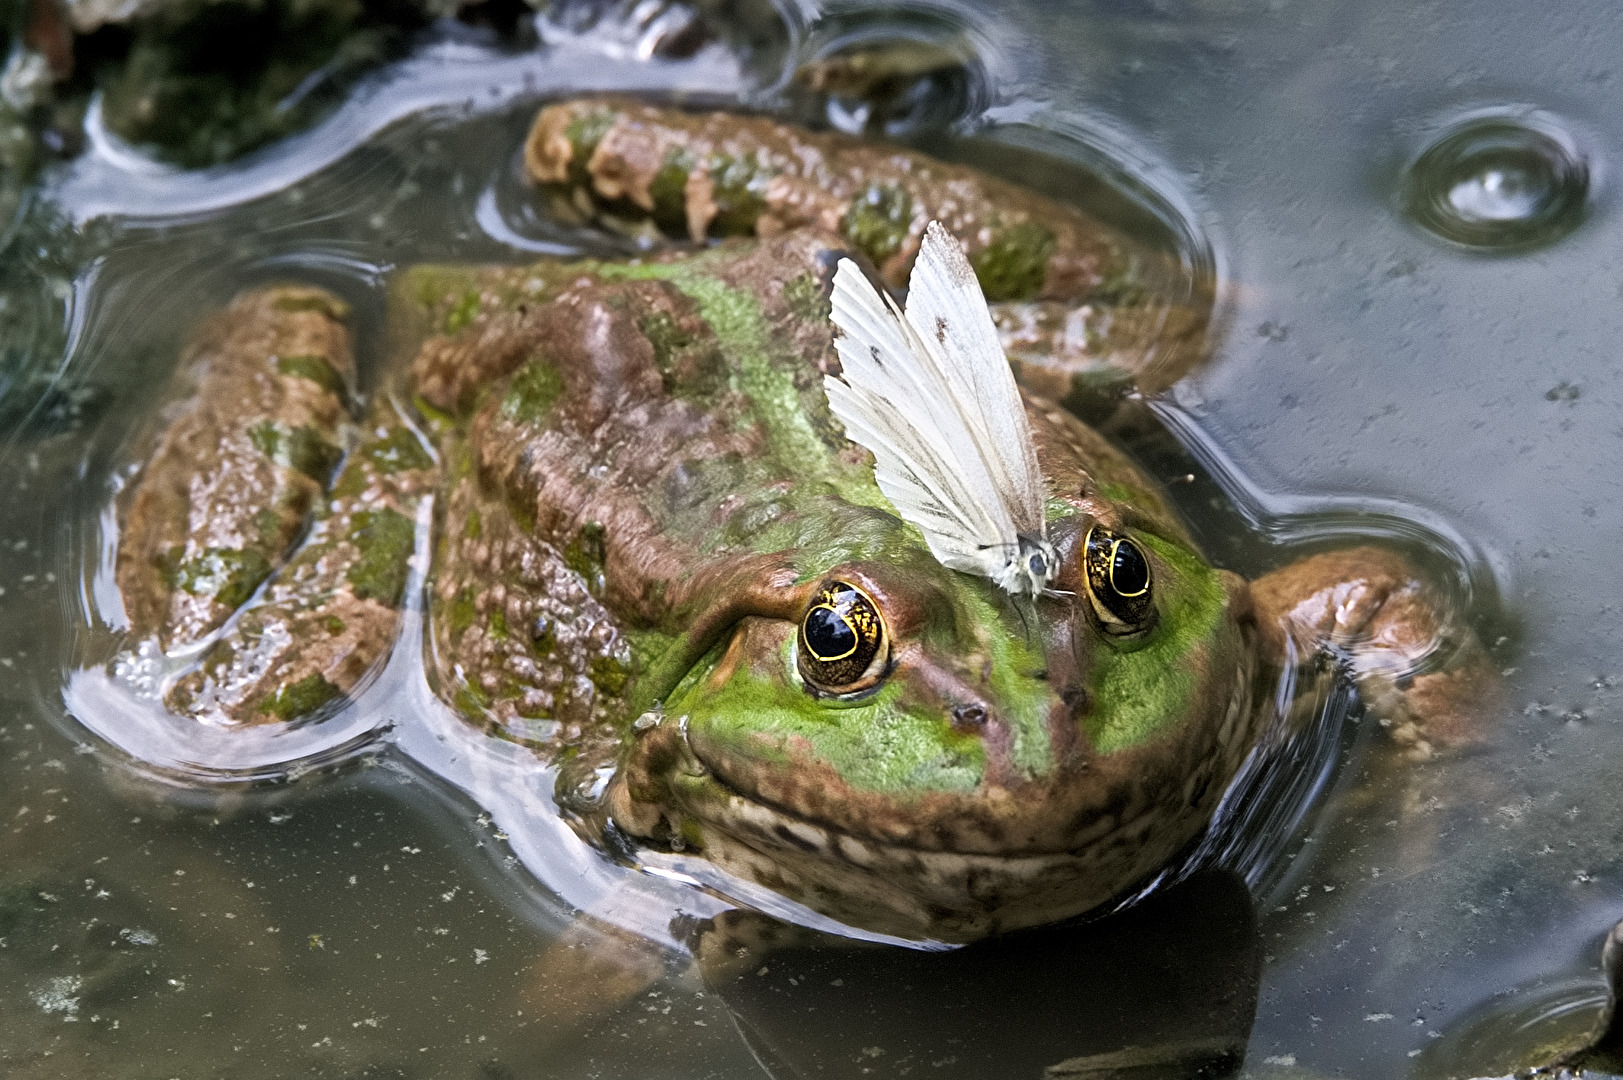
{"x":447,"y":897}
{"x":137,"y":936}
{"x":60,"y":995}
{"x":277,"y":819}
{"x":480,"y":956}
{"x":1283,"y":1060}
{"x":1376,"y":1018}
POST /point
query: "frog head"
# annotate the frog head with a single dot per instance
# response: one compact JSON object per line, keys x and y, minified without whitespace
{"x":911,"y":750}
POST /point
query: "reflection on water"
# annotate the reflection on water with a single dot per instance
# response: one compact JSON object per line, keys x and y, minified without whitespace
{"x":1500,"y":179}
{"x":367,"y":921}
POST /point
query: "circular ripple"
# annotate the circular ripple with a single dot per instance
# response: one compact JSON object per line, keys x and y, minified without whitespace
{"x":894,"y":72}
{"x":1499,"y":181}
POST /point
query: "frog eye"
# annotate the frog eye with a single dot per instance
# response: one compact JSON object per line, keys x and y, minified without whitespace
{"x":843,"y":647}
{"x":1119,"y":582}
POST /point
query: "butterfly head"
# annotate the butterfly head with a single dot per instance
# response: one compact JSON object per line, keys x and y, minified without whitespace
{"x":1030,"y":569}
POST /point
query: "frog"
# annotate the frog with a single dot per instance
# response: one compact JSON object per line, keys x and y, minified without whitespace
{"x":645,"y":550}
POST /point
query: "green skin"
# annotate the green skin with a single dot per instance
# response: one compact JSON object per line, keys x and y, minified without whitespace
{"x":639,"y":489}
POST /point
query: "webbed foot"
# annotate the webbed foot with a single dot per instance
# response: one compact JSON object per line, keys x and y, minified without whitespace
{"x":1423,"y":675}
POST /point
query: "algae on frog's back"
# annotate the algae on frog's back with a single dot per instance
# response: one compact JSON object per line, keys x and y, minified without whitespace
{"x":785,"y":410}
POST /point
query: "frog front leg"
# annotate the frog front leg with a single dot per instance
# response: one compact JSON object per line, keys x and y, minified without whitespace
{"x":1426,"y":678}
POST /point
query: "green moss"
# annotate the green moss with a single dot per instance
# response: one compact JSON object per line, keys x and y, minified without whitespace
{"x":395,"y":452}
{"x":463,"y":312}
{"x":228,"y":576}
{"x":1143,"y":686}
{"x":301,"y":698}
{"x":267,"y":438}
{"x":353,"y":480}
{"x":667,"y":338}
{"x":1121,"y":287}
{"x":532,"y":392}
{"x":314,"y":368}
{"x":384,"y":539}
{"x":521,"y":508}
{"x":498,"y":625}
{"x":586,"y":554}
{"x":736,"y":319}
{"x":474,"y":527}
{"x":267,"y":527}
{"x":669,"y":191}
{"x":737,"y":187}
{"x":333,"y":625}
{"x":584,"y":132}
{"x":543,"y":636}
{"x":302,"y":449}
{"x":805,"y":299}
{"x":1014,"y":265}
{"x":689,"y":367}
{"x":463,"y":611}
{"x":610,"y":675}
{"x":435,"y":416}
{"x":877,"y":221}
{"x":471,"y":701}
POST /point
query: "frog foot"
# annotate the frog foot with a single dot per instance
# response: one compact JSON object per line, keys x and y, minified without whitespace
{"x":1424,"y":677}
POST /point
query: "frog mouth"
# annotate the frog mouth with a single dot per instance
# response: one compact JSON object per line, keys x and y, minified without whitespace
{"x":884,"y":885}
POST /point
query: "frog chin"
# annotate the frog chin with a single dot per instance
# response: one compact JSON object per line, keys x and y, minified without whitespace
{"x":666,"y":795}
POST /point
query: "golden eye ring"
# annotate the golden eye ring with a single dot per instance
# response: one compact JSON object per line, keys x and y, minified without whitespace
{"x":843,"y":647}
{"x":1120,"y":584}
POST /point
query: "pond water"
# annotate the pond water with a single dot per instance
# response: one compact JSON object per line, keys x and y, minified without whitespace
{"x":1410,"y":216}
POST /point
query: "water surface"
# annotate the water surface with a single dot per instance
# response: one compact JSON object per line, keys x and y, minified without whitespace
{"x":1370,"y":373}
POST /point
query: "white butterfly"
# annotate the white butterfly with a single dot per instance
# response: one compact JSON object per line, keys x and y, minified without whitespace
{"x":930,"y":395}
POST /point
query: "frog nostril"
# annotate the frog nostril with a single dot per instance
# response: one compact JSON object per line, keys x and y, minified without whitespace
{"x":969,"y":717}
{"x":1076,"y":699}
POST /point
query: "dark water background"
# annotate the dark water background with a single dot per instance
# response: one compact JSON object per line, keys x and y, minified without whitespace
{"x":1433,"y":918}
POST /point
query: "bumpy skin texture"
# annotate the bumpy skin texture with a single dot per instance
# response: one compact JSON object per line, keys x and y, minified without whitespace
{"x":331,"y":614}
{"x":242,"y":460}
{"x":1071,"y":296}
{"x":640,"y":488}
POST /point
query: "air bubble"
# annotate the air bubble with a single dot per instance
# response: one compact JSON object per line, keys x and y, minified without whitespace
{"x":1499,"y":181}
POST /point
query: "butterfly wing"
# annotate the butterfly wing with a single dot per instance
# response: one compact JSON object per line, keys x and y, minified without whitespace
{"x":897,"y":400}
{"x":948,"y":313}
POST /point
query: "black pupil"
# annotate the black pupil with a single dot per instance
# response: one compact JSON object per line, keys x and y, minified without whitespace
{"x":1129,"y":574}
{"x":828,"y":635}
{"x":1039,"y":565}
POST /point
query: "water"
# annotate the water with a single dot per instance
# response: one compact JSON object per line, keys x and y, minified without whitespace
{"x":1372,"y":372}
